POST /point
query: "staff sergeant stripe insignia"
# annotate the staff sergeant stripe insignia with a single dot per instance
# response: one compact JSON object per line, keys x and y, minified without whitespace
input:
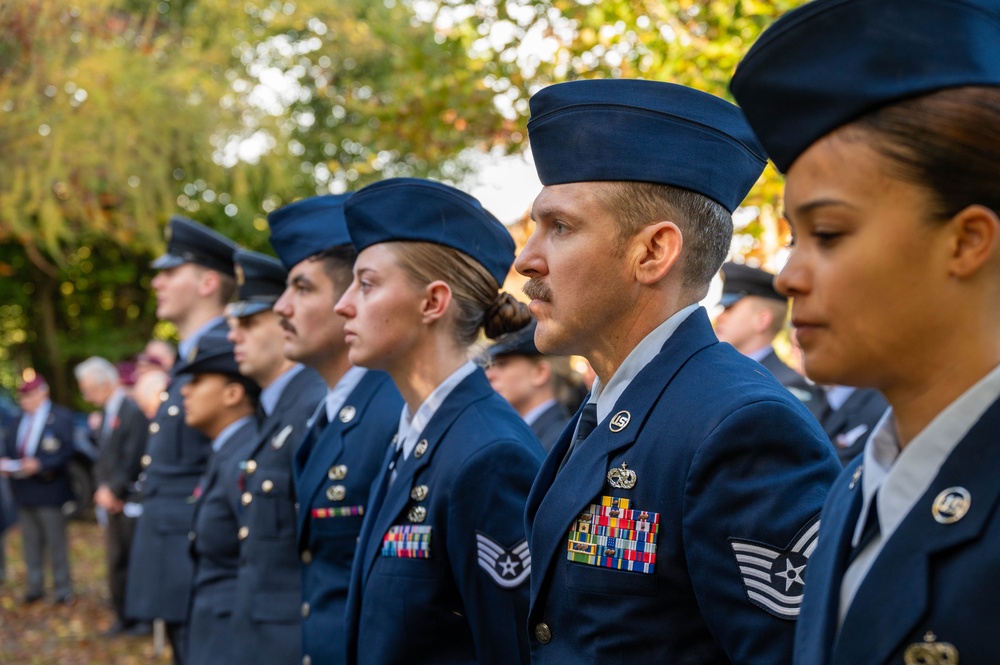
{"x":773,"y":578}
{"x":508,"y":568}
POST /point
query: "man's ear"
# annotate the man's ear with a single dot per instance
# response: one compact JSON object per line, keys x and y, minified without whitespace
{"x":209,"y":282}
{"x":658,"y":249}
{"x":974,"y":234}
{"x":437,"y":297}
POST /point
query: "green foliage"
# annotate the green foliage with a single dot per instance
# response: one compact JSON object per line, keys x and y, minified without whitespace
{"x":115,"y":114}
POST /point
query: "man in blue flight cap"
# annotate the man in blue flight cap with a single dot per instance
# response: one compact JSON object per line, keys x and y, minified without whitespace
{"x":265,"y":624}
{"x":340,"y":457}
{"x":195,"y":281}
{"x":753,"y":314}
{"x":528,"y":380}
{"x":674,"y":519}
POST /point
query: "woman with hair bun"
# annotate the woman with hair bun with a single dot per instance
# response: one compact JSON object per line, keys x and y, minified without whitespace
{"x":885,"y":116}
{"x":441,"y":574}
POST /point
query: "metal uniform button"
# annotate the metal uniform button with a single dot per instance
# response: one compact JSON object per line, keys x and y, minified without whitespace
{"x":191,"y":536}
{"x":306,"y":660}
{"x":164,"y":396}
{"x":146,"y":461}
{"x":246,"y":498}
{"x":173,"y":410}
{"x":305,"y":610}
{"x":267,"y":486}
{"x":307,"y":556}
{"x":542,"y":633}
{"x":251,"y":466}
{"x":154,"y":428}
{"x":244,"y":532}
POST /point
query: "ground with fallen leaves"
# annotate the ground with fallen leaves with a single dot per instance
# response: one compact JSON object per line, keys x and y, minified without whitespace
{"x":47,"y":634}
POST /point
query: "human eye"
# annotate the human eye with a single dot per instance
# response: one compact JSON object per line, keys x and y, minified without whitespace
{"x":826,"y":238}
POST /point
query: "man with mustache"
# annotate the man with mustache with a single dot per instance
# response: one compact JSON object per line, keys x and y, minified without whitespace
{"x":265,"y":621}
{"x":350,"y":432}
{"x":673,"y":520}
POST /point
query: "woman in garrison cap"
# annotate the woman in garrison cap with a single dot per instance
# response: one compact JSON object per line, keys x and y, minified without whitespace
{"x":885,"y":116}
{"x":441,"y":574}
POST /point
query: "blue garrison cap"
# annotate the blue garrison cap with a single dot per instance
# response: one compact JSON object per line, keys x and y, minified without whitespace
{"x":428,"y":211}
{"x":741,"y":280}
{"x":518,"y":343}
{"x":307,"y":227}
{"x":831,"y":61}
{"x":212,"y":354}
{"x":190,"y":242}
{"x":260,"y":282}
{"x":644,"y":131}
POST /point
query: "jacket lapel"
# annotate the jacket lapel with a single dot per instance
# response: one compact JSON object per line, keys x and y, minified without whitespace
{"x":583,"y":477}
{"x":817,"y":624}
{"x":895,"y":593}
{"x":473,"y":388}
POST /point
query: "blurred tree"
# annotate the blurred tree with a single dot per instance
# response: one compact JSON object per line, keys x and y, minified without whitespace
{"x":116,"y":113}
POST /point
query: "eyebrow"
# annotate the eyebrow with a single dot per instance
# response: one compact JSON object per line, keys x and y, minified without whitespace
{"x":812,"y":206}
{"x":300,"y":280}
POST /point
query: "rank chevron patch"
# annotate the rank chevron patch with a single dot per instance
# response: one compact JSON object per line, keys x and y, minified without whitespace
{"x":508,"y":568}
{"x":775,"y":578}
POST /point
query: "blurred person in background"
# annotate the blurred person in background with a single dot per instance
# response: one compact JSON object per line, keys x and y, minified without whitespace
{"x":530,"y":382}
{"x":120,"y":433}
{"x":38,"y":446}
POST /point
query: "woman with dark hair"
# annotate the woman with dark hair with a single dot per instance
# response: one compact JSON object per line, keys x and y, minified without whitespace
{"x":442,"y":566}
{"x":885,"y":116}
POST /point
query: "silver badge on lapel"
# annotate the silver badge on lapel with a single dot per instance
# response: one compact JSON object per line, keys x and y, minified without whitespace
{"x":931,"y":652}
{"x":347,"y":414}
{"x":856,"y":477}
{"x":51,"y":444}
{"x":623,"y":478}
{"x":951,"y":505}
{"x":336,"y":492}
{"x":279,"y":439}
{"x":192,"y":354}
{"x":619,"y":421}
{"x":417,"y":514}
{"x":173,"y":410}
{"x":337,"y":472}
{"x":420,"y":449}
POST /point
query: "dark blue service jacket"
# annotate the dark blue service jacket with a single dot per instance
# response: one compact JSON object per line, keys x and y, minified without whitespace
{"x":679,"y":530}
{"x":334,"y":473}
{"x":442,"y":566}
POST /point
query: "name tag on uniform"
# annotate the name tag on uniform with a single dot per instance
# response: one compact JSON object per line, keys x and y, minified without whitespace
{"x":407,"y":541}
{"x":613,"y":535}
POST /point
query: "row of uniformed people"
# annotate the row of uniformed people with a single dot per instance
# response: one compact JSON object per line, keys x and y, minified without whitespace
{"x":676,"y":516}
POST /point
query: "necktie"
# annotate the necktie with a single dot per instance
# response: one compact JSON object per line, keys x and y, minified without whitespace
{"x":869,"y":532}
{"x":315,"y":431}
{"x":397,"y":457}
{"x":586,"y":425}
{"x":22,"y":445}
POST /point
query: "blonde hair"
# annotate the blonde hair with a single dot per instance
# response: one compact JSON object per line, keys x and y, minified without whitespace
{"x":479,"y":302}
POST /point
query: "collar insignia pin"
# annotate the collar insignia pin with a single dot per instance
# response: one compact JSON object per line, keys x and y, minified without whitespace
{"x":951,"y":505}
{"x":279,"y":439}
{"x":856,"y":477}
{"x":347,"y":414}
{"x":619,"y":421}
